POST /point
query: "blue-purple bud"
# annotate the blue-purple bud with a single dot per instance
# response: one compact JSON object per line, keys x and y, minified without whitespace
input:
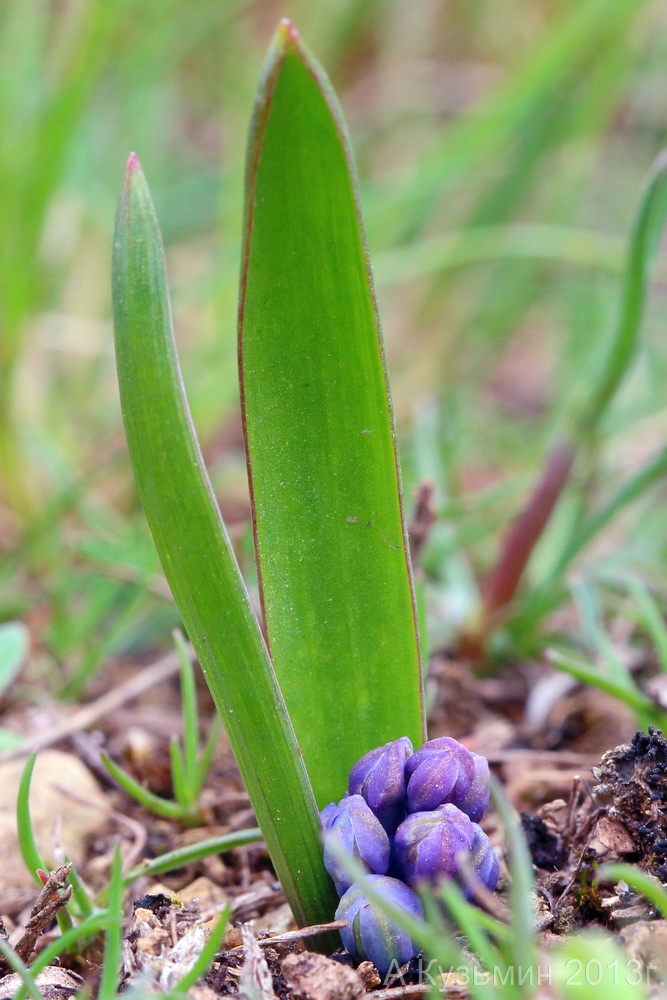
{"x":483,"y":861}
{"x":427,"y":844}
{"x":352,"y":826}
{"x":441,"y":771}
{"x":380,"y":777}
{"x":476,"y":802}
{"x":371,"y":934}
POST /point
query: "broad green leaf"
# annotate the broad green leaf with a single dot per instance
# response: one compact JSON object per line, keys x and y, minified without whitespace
{"x":330,"y":540}
{"x":198,"y":561}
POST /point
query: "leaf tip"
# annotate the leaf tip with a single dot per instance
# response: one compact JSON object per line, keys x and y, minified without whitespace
{"x":133,"y":166}
{"x":288,"y":33}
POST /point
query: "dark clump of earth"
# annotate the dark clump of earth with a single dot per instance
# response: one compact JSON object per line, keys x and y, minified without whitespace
{"x":632,"y":782}
{"x":546,"y":848}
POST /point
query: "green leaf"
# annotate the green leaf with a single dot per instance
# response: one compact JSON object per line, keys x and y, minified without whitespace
{"x":32,"y":859}
{"x":134,"y":788}
{"x":644,"y":244}
{"x":198,"y":561}
{"x":193,"y":852}
{"x":330,"y":540}
{"x":113,"y":942}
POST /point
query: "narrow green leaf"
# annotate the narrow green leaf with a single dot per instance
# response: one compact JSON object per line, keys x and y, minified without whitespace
{"x":198,"y":561}
{"x":27,"y":844}
{"x":88,"y":928}
{"x":624,"y":690}
{"x":330,"y":539}
{"x":194,"y":852}
{"x":189,"y":709}
{"x":113,"y":942}
{"x":644,"y":243}
{"x":206,"y":757}
{"x":650,"y":616}
{"x":178,"y":778}
{"x":156,"y":804}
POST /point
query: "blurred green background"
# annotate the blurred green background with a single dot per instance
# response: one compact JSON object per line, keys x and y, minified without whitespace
{"x":502,"y":150}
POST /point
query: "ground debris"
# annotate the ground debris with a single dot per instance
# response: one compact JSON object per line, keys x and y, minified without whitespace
{"x":255,"y":980}
{"x":646,"y":943}
{"x":621,"y":815}
{"x":54,"y":984}
{"x":163,"y":942}
{"x":310,"y":976}
{"x":632,"y":786}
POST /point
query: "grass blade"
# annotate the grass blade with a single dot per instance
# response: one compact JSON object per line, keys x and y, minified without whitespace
{"x":29,"y":850}
{"x":113,"y":942}
{"x":193,"y":852}
{"x":330,"y":539}
{"x":525,"y":532}
{"x":644,"y":243}
{"x":200,"y":567}
{"x":189,"y":708}
{"x":134,"y":788}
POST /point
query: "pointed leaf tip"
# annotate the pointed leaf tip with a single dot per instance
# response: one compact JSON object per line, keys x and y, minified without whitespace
{"x":133,"y":165}
{"x":287,"y":33}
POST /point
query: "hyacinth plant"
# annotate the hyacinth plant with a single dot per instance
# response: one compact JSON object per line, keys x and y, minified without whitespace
{"x":342,"y":648}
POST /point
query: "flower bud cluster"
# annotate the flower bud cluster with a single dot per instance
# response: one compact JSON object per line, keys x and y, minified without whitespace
{"x":407,"y":818}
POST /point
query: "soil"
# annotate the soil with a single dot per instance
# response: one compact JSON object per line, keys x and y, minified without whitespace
{"x":587,"y":786}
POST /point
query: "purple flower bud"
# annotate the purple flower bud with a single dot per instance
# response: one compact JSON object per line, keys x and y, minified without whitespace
{"x":371,"y":934}
{"x":427,"y":844}
{"x":441,"y":771}
{"x":380,"y":777}
{"x":483,"y":861}
{"x":352,"y":825}
{"x":476,"y":802}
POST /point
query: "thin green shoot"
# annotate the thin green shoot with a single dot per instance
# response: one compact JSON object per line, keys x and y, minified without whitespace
{"x":189,"y":765}
{"x":113,"y":942}
{"x":32,"y":859}
{"x":190,"y":755}
{"x":625,"y":689}
{"x":81,"y":895}
{"x":522,"y":885}
{"x":583,"y":422}
{"x":193,"y":852}
{"x":595,"y":638}
{"x":648,"y":615}
{"x":466,"y":918}
{"x":161,"y":807}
